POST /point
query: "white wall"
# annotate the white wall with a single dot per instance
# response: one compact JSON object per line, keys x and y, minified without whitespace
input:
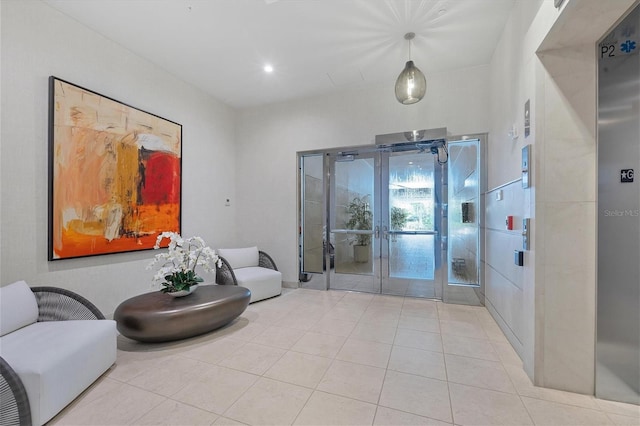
{"x":565,"y":274}
{"x":504,"y":281}
{"x":556,"y":352}
{"x":37,"y":41}
{"x":268,"y":139}
{"x":0,"y":153}
{"x":512,"y":83}
{"x":509,"y":290}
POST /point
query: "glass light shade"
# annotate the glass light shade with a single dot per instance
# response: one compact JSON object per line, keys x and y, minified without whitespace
{"x":411,"y":85}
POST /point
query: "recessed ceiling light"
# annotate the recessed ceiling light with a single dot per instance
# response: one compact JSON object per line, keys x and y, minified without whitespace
{"x":268,"y":68}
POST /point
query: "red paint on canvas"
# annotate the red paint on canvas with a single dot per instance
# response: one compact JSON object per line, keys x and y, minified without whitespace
{"x":161,"y":179}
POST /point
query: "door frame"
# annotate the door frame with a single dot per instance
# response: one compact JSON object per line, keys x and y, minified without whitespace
{"x":462,"y":294}
{"x":439,"y":230}
{"x":377,"y":152}
{"x":331,"y":159}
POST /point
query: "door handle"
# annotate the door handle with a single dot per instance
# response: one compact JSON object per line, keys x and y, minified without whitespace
{"x":385,"y":232}
{"x":376,"y":232}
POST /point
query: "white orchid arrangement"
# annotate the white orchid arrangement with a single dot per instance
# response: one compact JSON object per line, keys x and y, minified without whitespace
{"x":178,"y":265}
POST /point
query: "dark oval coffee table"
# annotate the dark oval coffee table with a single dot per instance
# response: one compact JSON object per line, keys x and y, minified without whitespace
{"x":158,"y":317}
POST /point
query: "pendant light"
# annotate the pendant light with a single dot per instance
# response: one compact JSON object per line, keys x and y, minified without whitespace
{"x":411,"y":84}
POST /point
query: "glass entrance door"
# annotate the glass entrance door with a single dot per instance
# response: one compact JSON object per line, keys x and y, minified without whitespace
{"x":412,"y":195}
{"x":354,"y":240}
{"x":395,"y":218}
{"x":384,"y":225}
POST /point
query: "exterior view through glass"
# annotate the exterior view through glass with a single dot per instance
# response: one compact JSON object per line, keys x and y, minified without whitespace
{"x":375,"y":220}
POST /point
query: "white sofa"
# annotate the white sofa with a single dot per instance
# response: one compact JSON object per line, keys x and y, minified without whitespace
{"x":250,"y":268}
{"x":51,"y":349}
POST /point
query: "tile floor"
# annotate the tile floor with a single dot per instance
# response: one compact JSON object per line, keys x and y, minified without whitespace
{"x":367,"y":284}
{"x":336,"y":358}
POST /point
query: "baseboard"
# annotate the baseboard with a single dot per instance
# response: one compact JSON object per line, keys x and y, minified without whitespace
{"x":289,"y":284}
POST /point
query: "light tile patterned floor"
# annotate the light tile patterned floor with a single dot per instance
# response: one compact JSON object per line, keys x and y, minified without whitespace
{"x":322,"y":358}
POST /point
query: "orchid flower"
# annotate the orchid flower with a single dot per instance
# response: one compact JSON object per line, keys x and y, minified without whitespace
{"x":177,"y":269}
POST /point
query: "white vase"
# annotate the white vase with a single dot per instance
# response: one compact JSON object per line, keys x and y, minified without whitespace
{"x":183,"y":293}
{"x":361,"y":254}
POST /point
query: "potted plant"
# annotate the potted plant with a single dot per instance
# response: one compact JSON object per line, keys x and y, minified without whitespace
{"x":361,"y":219}
{"x":398,"y":219}
{"x":177,"y":271}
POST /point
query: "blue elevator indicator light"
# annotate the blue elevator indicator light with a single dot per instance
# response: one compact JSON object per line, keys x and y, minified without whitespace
{"x":628,"y":46}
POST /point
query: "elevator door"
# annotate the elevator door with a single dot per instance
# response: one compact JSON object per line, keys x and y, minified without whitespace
{"x":618,"y":304}
{"x":384,"y":223}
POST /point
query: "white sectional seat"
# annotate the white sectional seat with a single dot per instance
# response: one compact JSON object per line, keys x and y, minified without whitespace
{"x":252,"y":269}
{"x":262,"y":282}
{"x":54,"y":359}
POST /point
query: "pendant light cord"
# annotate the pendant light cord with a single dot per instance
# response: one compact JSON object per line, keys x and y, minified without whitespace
{"x":409,"y":37}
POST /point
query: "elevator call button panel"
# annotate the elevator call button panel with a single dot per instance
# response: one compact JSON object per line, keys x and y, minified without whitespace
{"x":526,"y":166}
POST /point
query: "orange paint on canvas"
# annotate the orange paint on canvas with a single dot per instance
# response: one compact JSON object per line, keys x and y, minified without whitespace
{"x":77,"y":244}
{"x":101,"y":152}
{"x":151,"y":218}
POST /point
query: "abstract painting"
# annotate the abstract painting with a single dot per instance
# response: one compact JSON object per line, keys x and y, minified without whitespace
{"x":114,"y":174}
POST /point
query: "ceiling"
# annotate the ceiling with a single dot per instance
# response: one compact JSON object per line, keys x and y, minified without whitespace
{"x":315,"y":46}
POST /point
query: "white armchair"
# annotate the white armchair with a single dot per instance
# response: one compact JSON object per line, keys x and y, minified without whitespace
{"x":252,"y":269}
{"x":51,"y":350}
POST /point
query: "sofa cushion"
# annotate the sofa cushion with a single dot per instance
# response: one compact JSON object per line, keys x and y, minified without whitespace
{"x":262,"y":282}
{"x":57,"y":360}
{"x":241,"y":257}
{"x":18,"y":307}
